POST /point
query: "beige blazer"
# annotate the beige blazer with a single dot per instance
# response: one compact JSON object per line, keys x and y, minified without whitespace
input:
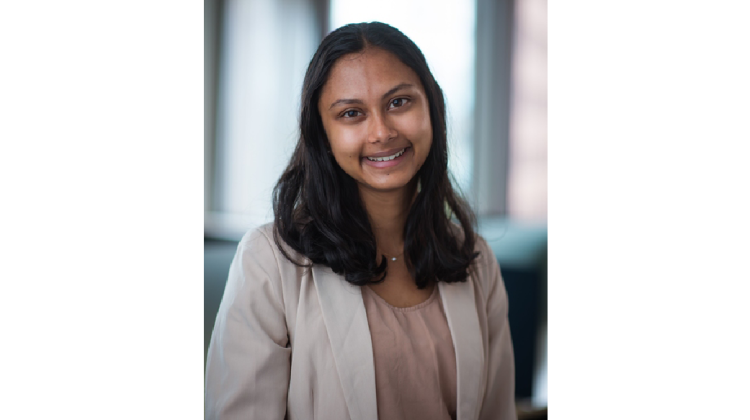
{"x":292,"y":342}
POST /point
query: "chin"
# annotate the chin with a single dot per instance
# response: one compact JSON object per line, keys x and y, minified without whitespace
{"x":390,"y":185}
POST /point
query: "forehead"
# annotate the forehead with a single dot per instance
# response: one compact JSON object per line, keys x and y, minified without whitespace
{"x":372,"y":71}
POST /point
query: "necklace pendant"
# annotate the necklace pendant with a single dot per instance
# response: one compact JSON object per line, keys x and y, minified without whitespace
{"x":393,"y":259}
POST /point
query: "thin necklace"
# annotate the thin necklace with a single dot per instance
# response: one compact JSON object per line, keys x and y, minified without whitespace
{"x":394,"y":258}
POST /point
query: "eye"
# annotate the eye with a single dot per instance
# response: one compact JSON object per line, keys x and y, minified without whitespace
{"x":398,"y":102}
{"x":352,"y":113}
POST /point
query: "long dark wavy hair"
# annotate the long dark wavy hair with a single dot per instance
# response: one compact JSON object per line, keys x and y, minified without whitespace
{"x":317,"y":207}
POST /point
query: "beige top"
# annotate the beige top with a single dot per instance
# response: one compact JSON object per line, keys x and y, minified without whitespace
{"x":415,"y":363}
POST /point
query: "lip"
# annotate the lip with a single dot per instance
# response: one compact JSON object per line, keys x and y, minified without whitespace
{"x":388,"y":163}
{"x":388,"y":152}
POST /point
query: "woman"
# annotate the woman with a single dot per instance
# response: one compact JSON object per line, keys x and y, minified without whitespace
{"x":364,"y":300}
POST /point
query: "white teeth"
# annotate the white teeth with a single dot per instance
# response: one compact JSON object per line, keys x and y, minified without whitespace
{"x":386,"y":158}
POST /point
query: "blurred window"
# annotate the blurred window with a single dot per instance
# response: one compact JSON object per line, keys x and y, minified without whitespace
{"x":265,"y":47}
{"x":527,"y":171}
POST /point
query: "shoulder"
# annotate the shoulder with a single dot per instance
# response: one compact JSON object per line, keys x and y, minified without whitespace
{"x":256,"y":250}
{"x":486,"y":255}
{"x":259,"y":238}
{"x":484,"y":268}
{"x":260,"y":247}
{"x":487,"y":274}
{"x":261,"y":243}
{"x":259,"y":263}
{"x":255,"y":263}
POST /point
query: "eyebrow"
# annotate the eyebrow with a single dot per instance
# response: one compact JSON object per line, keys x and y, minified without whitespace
{"x":357,"y":101}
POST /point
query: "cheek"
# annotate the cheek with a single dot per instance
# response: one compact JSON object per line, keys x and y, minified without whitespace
{"x":339,"y":137}
{"x":418,"y":131}
{"x":424,"y":142}
{"x":345,"y":146}
{"x":426,"y":147}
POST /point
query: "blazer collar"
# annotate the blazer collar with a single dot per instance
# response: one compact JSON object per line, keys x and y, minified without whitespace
{"x":346,"y":320}
{"x":463,"y":321}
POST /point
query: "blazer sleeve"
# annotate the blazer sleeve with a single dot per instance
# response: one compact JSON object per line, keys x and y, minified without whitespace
{"x":248,"y":363}
{"x":499,"y":398}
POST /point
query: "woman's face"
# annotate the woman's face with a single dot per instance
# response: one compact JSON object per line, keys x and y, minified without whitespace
{"x":375,"y":113}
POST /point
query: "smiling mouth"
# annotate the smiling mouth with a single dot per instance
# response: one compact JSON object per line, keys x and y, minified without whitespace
{"x":387,"y":158}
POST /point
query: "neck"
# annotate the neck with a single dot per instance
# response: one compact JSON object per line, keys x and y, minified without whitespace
{"x":387,"y":211}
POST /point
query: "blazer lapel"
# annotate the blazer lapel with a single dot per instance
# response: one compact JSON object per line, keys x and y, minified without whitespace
{"x":460,"y":310}
{"x":346,"y":320}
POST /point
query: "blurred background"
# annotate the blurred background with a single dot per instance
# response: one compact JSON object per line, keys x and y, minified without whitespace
{"x":489,"y":57}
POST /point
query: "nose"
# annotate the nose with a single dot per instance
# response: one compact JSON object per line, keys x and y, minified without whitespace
{"x":381,"y":129}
